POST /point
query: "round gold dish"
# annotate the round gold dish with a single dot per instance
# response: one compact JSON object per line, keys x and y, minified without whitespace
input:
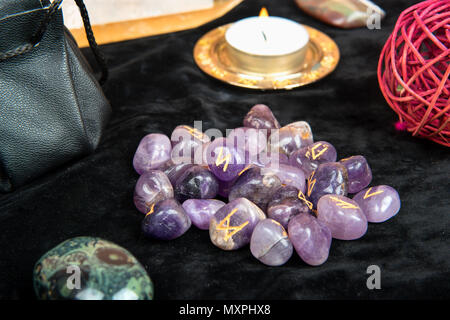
{"x":212,"y":55}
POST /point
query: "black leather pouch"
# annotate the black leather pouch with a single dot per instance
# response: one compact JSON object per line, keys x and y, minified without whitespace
{"x":52,"y":108}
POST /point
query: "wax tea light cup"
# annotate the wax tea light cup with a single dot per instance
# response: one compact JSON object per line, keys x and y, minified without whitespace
{"x":267,"y":45}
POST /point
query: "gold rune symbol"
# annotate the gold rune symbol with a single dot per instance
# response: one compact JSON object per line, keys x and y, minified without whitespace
{"x":221,"y":159}
{"x":368,"y":194}
{"x":245,"y":169}
{"x":343,"y":204}
{"x":194,"y":132}
{"x":311,"y":183}
{"x":152,"y":208}
{"x":225,"y":225}
{"x":316,"y":155}
{"x":302,"y":197}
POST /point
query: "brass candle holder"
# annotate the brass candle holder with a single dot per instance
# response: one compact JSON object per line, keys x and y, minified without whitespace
{"x":220,"y":60}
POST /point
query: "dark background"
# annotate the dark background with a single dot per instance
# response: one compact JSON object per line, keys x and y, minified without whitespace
{"x":154,"y":86}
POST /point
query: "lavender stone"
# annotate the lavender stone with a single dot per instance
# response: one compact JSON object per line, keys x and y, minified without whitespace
{"x":196,"y":183}
{"x":256,"y":185}
{"x":185,"y":141}
{"x":309,"y":158}
{"x":270,"y":243}
{"x":288,"y":175}
{"x":378,"y":203}
{"x":342,"y":216}
{"x":261,"y":117}
{"x":166,"y":221}
{"x":232,"y":225}
{"x":359,"y":173}
{"x":329,"y":178}
{"x":291,"y":138}
{"x":153,"y":150}
{"x":151,"y":187}
{"x":200,"y":211}
{"x":286,"y":209}
{"x":284,"y":192}
{"x":225,"y":161}
{"x":174,"y":171}
{"x":251,"y":140}
{"x":310,"y":238}
{"x":266,"y":159}
{"x":225,"y":187}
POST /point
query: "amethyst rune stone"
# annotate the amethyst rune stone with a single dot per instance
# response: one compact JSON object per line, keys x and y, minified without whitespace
{"x":309,"y":158}
{"x":311,"y":238}
{"x":153,"y":150}
{"x":288,"y":175}
{"x":225,"y":161}
{"x":270,"y":243}
{"x":256,"y":185}
{"x":174,"y":171}
{"x":200,"y":211}
{"x":378,"y":203}
{"x":282,"y":193}
{"x":232,"y":225}
{"x":342,"y":216}
{"x":286,"y":209}
{"x":329,"y":178}
{"x":166,"y":221}
{"x":267,"y":158}
{"x":292,"y":137}
{"x":261,"y":117}
{"x":250,"y":140}
{"x":225,"y":187}
{"x":359,"y":173}
{"x":185,"y":140}
{"x":196,"y":183}
{"x":151,"y":187}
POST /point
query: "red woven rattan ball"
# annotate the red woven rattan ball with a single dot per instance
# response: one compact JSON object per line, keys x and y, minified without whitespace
{"x":414,"y":69}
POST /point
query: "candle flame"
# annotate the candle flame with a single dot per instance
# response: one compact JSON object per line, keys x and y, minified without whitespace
{"x":263,"y":12}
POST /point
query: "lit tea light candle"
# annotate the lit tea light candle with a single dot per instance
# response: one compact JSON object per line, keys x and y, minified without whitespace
{"x":267,"y":44}
{"x":264,"y":35}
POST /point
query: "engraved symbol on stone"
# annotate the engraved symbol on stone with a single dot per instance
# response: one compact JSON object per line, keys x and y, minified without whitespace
{"x":368,"y":194}
{"x":152,"y":209}
{"x":302,"y":197}
{"x":321,"y":151}
{"x":221,"y":159}
{"x":225,"y":225}
{"x":343,"y":204}
{"x":311,"y":183}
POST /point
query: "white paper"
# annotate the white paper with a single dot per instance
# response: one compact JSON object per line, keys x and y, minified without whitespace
{"x":108,"y":11}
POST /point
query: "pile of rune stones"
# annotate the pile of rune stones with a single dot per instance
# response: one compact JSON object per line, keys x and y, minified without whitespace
{"x":284,"y":190}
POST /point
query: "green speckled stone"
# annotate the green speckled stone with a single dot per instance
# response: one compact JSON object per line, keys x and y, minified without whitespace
{"x":107,"y":272}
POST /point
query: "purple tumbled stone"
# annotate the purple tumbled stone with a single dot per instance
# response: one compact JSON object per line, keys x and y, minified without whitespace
{"x":329,"y":178}
{"x":270,"y":243}
{"x":153,"y":151}
{"x":290,"y":138}
{"x":174,"y":171}
{"x":311,"y":238}
{"x":282,"y":193}
{"x":378,"y":203}
{"x":225,"y":161}
{"x":196,"y":183}
{"x":257,"y":185}
{"x":251,"y":140}
{"x":261,"y":117}
{"x":309,"y":158}
{"x":289,"y":175}
{"x":286,"y":209}
{"x":359,"y":173}
{"x":232,"y":225}
{"x":266,"y":158}
{"x":166,"y":221}
{"x":151,"y":187}
{"x":185,"y":141}
{"x":342,"y":216}
{"x":200,"y":211}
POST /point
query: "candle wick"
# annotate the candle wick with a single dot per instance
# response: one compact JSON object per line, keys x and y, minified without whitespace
{"x":264,"y":35}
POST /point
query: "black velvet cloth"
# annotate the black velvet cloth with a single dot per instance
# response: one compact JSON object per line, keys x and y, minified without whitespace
{"x":154,"y":86}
